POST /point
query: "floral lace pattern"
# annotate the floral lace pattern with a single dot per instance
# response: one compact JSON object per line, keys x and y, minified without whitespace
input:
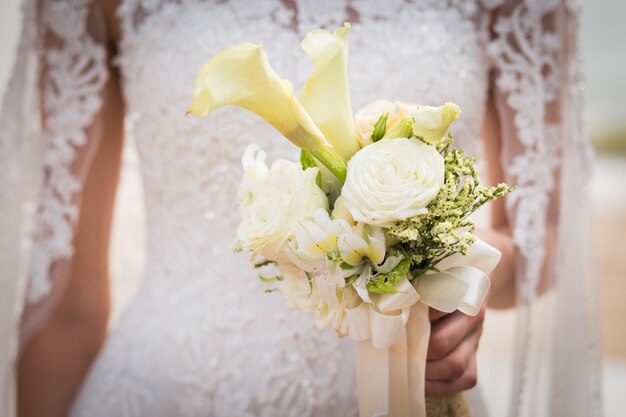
{"x":548,"y":158}
{"x":76,"y":71}
{"x":224,"y":348}
{"x":529,"y":74}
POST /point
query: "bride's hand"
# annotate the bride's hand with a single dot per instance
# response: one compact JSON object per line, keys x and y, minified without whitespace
{"x":451,"y":358}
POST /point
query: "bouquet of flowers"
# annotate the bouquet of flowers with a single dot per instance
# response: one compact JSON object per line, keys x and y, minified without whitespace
{"x":371,"y":226}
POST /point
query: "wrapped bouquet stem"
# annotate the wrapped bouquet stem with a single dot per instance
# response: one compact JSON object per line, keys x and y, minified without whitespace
{"x":393,"y":331}
{"x":371,"y":227}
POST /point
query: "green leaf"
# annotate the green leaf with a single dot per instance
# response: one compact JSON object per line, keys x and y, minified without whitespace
{"x":380,"y":128}
{"x":269,"y":280}
{"x":386,"y":283}
{"x":307,"y":161}
{"x":351,"y":280}
{"x":310,"y":281}
{"x":263,"y":262}
{"x":401,"y":129}
{"x":346,"y":266}
{"x":334,"y":256}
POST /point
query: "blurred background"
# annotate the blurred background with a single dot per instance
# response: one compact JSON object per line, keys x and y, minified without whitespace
{"x":604,"y":56}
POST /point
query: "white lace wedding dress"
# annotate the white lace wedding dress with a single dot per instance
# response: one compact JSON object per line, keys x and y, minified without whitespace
{"x":199,"y":338}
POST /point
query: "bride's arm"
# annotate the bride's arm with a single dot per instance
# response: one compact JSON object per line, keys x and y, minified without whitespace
{"x":451,"y":364}
{"x":502,"y":292}
{"x":57,"y":358}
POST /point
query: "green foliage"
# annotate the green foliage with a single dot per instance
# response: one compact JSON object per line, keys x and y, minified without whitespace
{"x":307,"y":161}
{"x":386,"y":283}
{"x":263,"y":262}
{"x":401,"y":129}
{"x":269,"y":280}
{"x":380,"y":128}
{"x":446,"y":229}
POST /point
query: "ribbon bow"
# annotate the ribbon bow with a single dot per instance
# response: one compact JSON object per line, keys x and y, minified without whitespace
{"x":392,"y":332}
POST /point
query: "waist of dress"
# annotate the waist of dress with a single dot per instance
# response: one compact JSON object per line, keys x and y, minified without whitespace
{"x":191,"y":262}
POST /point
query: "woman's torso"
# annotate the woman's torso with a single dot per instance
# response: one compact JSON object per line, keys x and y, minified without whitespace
{"x":200,"y":338}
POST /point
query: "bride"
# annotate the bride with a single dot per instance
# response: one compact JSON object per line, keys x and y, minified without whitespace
{"x":199,"y":339}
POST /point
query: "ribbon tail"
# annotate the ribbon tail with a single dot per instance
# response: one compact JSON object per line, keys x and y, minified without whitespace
{"x":399,"y":389}
{"x":390,"y":381}
{"x":418,"y":334}
{"x":372,"y":379}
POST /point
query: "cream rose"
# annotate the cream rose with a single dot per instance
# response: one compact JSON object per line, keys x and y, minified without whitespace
{"x":392,"y":180}
{"x":273,"y":200}
{"x":365,"y":119}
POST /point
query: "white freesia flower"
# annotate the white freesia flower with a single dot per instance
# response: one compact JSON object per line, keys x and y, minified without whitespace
{"x":314,"y":239}
{"x":318,"y":236}
{"x":392,"y":180}
{"x":433,"y":123}
{"x":362,"y":241}
{"x":273,"y":201}
{"x":360,"y":285}
{"x":331,"y":251}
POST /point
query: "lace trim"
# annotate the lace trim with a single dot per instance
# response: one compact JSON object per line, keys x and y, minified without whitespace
{"x":76,"y":71}
{"x":529,"y":74}
{"x":535,"y":54}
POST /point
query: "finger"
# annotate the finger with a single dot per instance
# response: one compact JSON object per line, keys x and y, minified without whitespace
{"x":455,"y":364}
{"x":434,"y":314}
{"x":465,"y":382}
{"x":449,"y":331}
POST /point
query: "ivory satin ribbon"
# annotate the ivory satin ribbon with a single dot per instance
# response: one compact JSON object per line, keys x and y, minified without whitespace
{"x":392,"y":332}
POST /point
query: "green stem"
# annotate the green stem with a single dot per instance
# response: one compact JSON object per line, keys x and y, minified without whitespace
{"x":333,"y":161}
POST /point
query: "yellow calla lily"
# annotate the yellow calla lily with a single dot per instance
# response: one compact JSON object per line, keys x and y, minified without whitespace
{"x":242,"y":76}
{"x":326,"y":95}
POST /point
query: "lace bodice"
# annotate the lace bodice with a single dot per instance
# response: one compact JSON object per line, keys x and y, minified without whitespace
{"x":239,"y":352}
{"x":191,"y":167}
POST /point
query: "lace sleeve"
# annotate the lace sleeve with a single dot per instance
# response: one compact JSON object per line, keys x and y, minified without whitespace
{"x":48,"y":134}
{"x":545,"y":153}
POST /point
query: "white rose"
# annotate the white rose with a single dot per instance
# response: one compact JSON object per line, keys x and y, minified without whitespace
{"x":273,"y":200}
{"x":392,"y":180}
{"x":433,"y":123}
{"x":365,"y":119}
